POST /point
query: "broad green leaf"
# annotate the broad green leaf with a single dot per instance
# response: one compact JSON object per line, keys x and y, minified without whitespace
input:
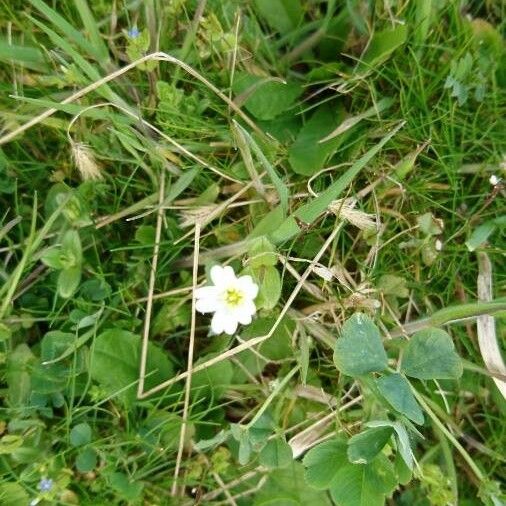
{"x":86,"y":460}
{"x":13,"y":494}
{"x":241,"y":434}
{"x":127,"y":488}
{"x":390,"y":284}
{"x":404,"y":473}
{"x":396,"y":389}
{"x":281,"y":15}
{"x":269,"y":281}
{"x":430,"y":354}
{"x":323,"y":462}
{"x":364,"y":484}
{"x":68,"y":281}
{"x":424,"y":13}
{"x":5,"y":332}
{"x":307,"y":155}
{"x":276,"y":453}
{"x":206,"y":444}
{"x":53,"y":378}
{"x":71,"y":247}
{"x":80,"y":435}
{"x":9,"y":443}
{"x":365,"y":446}
{"x":52,"y":257}
{"x":401,"y":437}
{"x":115,"y":363}
{"x":262,"y":253}
{"x":481,"y":233}
{"x":264,"y":97}
{"x":279,"y":345}
{"x":382,"y":45}
{"x":310,"y":211}
{"x":429,"y":225}
{"x":212,"y":382}
{"x":54,"y":343}
{"x":269,"y":223}
{"x":18,"y":375}
{"x":359,"y":350}
{"x":261,"y":430}
{"x":286,"y":487}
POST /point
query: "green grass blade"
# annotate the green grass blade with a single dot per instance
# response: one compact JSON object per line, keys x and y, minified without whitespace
{"x":91,"y":28}
{"x":309,"y":212}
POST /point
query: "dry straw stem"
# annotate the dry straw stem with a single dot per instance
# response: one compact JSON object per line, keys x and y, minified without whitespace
{"x":487,"y":338}
{"x":189,"y":369}
{"x":151,"y":289}
{"x":257,"y":340}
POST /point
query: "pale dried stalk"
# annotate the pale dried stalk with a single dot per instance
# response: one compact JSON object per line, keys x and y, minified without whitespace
{"x":309,"y":437}
{"x":189,"y":370}
{"x":487,"y":338}
{"x":151,"y":289}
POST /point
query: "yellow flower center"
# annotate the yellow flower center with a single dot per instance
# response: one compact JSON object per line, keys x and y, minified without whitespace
{"x":233,"y":297}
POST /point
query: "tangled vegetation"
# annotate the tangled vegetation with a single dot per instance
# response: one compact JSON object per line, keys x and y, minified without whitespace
{"x":252,"y":252}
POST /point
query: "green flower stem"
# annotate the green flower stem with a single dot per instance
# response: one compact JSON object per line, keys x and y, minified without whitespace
{"x":272,"y":396}
{"x":33,"y":242}
{"x":452,"y":314}
{"x":476,"y":470}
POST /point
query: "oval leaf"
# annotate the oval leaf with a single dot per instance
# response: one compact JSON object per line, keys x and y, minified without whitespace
{"x":397,"y":391}
{"x":80,"y":435}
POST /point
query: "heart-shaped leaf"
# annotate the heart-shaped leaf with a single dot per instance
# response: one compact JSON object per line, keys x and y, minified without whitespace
{"x":431,"y":354}
{"x":364,"y":447}
{"x":359,"y":350}
{"x":323,"y":462}
{"x":364,"y":484}
{"x":276,"y":453}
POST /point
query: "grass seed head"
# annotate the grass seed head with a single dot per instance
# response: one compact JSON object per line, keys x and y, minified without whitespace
{"x":85,"y":161}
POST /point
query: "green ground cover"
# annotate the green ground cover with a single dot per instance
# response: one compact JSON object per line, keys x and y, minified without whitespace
{"x":349,"y":156}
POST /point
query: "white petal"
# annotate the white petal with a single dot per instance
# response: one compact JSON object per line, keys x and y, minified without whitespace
{"x":206,"y":305}
{"x":244,"y":317}
{"x":206,"y":292}
{"x":222,"y":276}
{"x":230,"y":325}
{"x":248,"y":286}
{"x":245,"y":311}
{"x":218,"y":322}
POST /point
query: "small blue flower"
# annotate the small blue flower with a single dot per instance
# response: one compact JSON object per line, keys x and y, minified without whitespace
{"x":45,"y":485}
{"x":133,"y":33}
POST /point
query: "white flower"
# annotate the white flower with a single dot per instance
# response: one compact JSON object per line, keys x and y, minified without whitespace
{"x":494,"y":180}
{"x":438,"y":245}
{"x":230,"y":299}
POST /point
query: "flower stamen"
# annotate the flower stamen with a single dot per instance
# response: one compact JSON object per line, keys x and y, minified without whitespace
{"x":233,"y":297}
